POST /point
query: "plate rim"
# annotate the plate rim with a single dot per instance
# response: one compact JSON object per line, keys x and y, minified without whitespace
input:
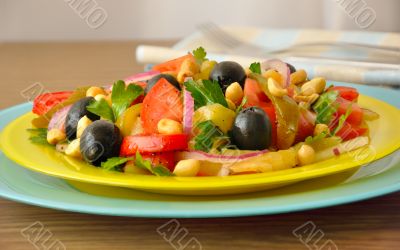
{"x":203,"y":214}
{"x":234,"y":182}
{"x":240,"y":212}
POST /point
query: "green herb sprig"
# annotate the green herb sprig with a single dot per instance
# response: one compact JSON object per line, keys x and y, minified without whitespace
{"x":38,"y":136}
{"x":208,"y":133}
{"x":115,"y":163}
{"x":200,"y":55}
{"x":205,"y":92}
{"x":255,"y":67}
{"x":122,"y":97}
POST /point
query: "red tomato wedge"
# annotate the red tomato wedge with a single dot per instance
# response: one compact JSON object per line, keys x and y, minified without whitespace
{"x":44,"y":102}
{"x":153,"y":143}
{"x":162,"y":101}
{"x":172,"y":65}
{"x":348,"y":93}
{"x":356,"y":115}
{"x":306,"y":125}
{"x":167,"y":159}
{"x":254,"y":93}
{"x":270,"y":111}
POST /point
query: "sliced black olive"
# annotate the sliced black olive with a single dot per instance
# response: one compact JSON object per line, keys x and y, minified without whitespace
{"x":155,"y":79}
{"x":291,"y":68}
{"x":252,"y":129}
{"x":228,"y":72}
{"x":77,"y":111}
{"x":99,"y":141}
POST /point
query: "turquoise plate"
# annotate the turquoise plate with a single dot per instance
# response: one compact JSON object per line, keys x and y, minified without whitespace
{"x":22,"y":185}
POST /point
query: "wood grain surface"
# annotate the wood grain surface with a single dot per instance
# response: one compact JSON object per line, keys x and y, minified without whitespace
{"x":371,"y":224}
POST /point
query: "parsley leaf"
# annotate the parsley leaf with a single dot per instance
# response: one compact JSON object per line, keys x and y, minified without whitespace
{"x":39,"y":136}
{"x":114,"y":162}
{"x":199,"y":54}
{"x":158,"y":170}
{"x":325,"y":107}
{"x":342,"y":119}
{"x":102,"y":109}
{"x":38,"y":131}
{"x":255,"y":67}
{"x":122,"y":96}
{"x":204,"y":140}
{"x":205,"y":92}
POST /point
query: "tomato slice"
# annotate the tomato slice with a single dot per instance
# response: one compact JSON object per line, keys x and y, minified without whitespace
{"x":348,"y":93}
{"x":172,"y":65}
{"x":153,"y":143}
{"x":356,"y":116}
{"x":306,"y":125}
{"x":44,"y":102}
{"x":167,"y":159}
{"x":162,"y":101}
{"x":270,"y":111}
{"x":254,"y":93}
{"x":349,"y":131}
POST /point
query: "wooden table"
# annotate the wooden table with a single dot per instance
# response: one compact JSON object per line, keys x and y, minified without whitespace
{"x":372,"y":224}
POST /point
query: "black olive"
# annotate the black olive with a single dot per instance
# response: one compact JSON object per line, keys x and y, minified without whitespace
{"x":155,"y":79}
{"x":77,"y":111}
{"x":228,"y":72}
{"x":99,"y":141}
{"x":291,"y":68}
{"x":252,"y":129}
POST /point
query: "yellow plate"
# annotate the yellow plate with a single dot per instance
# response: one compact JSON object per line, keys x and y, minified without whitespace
{"x":384,"y":133}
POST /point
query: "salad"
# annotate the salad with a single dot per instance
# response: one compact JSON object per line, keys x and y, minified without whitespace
{"x":192,"y":116}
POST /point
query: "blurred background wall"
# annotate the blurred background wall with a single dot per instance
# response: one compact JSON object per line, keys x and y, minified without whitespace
{"x":42,"y":20}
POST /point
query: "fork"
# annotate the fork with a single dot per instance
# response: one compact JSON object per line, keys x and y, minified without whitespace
{"x":229,"y":43}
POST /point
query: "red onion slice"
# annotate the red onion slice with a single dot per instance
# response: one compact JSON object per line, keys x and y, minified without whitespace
{"x":141,"y":77}
{"x":279,"y":66}
{"x":188,"y":112}
{"x":58,"y":119}
{"x":225,"y":159}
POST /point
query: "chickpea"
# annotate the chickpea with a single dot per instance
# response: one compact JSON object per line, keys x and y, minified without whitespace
{"x":73,"y":149}
{"x":321,"y":128}
{"x":271,"y":73}
{"x":275,"y":88}
{"x":55,"y":136}
{"x":105,"y":97}
{"x":82,"y":124}
{"x":234,"y":92}
{"x":187,"y":168}
{"x":188,"y":69}
{"x":306,"y":155}
{"x":309,"y":99}
{"x":99,"y":97}
{"x":315,"y":86}
{"x":61,"y":147}
{"x":169,"y":126}
{"x":93,"y":91}
{"x":298,"y":77}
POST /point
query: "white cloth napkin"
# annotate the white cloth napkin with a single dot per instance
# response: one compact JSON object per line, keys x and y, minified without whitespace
{"x":339,"y":69}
